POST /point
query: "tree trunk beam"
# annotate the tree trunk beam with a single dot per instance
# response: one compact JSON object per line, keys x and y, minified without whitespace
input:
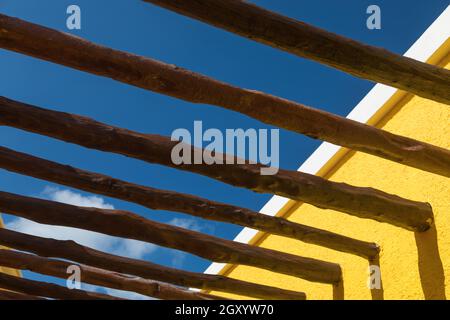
{"x":132,"y":226}
{"x":10,"y":295}
{"x":361,"y":202}
{"x":49,"y":290}
{"x":167,"y":200}
{"x":51,"y":45}
{"x":307,"y":41}
{"x":70,"y":250}
{"x":98,"y":277}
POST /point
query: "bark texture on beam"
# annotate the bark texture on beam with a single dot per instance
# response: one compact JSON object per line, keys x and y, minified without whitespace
{"x":167,"y":200}
{"x":132,"y":226}
{"x":307,"y":41}
{"x":361,"y":202}
{"x":10,"y":295}
{"x":71,"y":51}
{"x":49,"y":290}
{"x":98,"y":277}
{"x":70,"y":250}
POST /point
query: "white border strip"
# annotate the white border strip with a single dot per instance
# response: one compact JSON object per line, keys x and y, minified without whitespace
{"x":431,"y":40}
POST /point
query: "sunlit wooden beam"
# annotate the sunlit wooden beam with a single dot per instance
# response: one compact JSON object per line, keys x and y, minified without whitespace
{"x":10,"y":295}
{"x":132,"y":226}
{"x":70,"y":250}
{"x":307,"y":41}
{"x":51,"y":45}
{"x":168,"y":200}
{"x":98,"y":277}
{"x":361,"y":202}
{"x":49,"y":290}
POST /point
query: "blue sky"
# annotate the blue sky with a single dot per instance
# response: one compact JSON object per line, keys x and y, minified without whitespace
{"x":147,"y":30}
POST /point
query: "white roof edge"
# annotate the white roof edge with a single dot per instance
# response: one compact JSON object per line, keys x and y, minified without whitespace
{"x":430,"y":41}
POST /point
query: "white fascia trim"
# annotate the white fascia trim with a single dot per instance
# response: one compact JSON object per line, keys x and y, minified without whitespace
{"x":431,"y":40}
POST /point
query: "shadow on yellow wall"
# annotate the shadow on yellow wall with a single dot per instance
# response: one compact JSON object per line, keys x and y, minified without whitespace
{"x":377,"y":294}
{"x":431,"y":270}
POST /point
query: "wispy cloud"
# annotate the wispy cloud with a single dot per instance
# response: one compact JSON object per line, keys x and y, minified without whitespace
{"x":116,"y":293}
{"x":123,"y":247}
{"x":191,"y":224}
{"x":119,"y":246}
{"x":178,"y":257}
{"x":69,"y":197}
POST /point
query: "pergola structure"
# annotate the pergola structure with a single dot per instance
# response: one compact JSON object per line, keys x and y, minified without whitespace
{"x":51,"y":257}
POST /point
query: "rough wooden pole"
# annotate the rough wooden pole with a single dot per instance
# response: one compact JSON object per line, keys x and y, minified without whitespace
{"x":307,"y":41}
{"x":361,"y":202}
{"x":49,"y":290}
{"x":71,"y":51}
{"x":99,"y":277}
{"x":129,"y":225}
{"x":167,"y":200}
{"x":10,"y":295}
{"x":70,"y":250}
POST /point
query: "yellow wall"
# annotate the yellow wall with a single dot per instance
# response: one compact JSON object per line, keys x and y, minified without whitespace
{"x":412,"y":266}
{"x":7,"y":270}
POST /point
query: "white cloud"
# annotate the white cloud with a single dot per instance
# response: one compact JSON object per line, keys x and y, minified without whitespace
{"x":127,"y":294}
{"x":184,"y":223}
{"x":76,"y":199}
{"x":116,"y":293}
{"x":124,"y":247}
{"x":178,"y":257}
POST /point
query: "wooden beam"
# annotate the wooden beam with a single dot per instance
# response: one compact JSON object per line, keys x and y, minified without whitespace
{"x":10,"y":295}
{"x":361,"y":202}
{"x":167,"y":200}
{"x":50,"y":290}
{"x":71,"y":51}
{"x":99,"y":277}
{"x":307,"y":41}
{"x":132,"y":226}
{"x":70,"y":250}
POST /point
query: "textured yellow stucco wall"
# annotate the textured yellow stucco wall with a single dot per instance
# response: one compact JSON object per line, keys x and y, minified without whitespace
{"x":413,"y":266}
{"x":8,"y":270}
